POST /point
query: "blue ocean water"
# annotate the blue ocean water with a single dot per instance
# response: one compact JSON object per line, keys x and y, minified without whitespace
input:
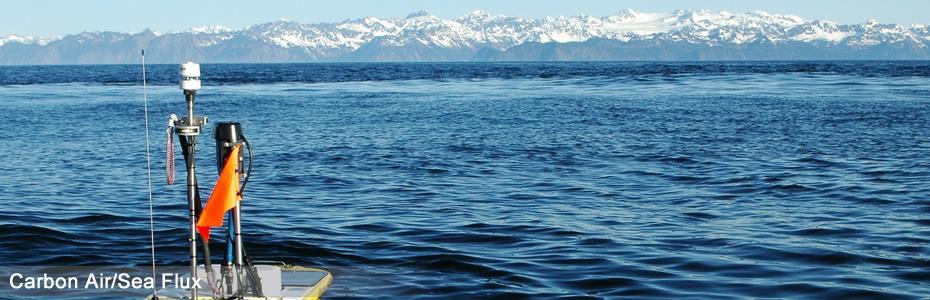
{"x":518,"y":180}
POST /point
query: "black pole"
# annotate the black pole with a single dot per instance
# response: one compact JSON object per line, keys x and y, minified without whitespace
{"x":187,"y":149}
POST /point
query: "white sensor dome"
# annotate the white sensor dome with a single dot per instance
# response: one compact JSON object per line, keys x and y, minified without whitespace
{"x":190,"y":76}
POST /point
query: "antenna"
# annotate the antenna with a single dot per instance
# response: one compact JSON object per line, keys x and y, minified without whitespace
{"x":148,"y":159}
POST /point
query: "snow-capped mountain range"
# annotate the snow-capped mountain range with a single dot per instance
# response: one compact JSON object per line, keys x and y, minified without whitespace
{"x":480,"y":36}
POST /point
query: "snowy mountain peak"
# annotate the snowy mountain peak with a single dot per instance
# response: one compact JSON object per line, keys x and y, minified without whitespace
{"x":209,"y":29}
{"x":16,"y":39}
{"x":147,"y":31}
{"x":420,"y":14}
{"x":480,"y":14}
{"x":628,"y":12}
{"x":27,"y":40}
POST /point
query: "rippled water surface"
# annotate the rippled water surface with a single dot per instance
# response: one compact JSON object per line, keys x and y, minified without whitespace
{"x":693,"y":180}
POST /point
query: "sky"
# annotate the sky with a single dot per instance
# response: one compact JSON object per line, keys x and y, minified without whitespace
{"x":61,"y":17}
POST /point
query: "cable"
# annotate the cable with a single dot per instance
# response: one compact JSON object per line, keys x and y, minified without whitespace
{"x":248,"y":174}
{"x":169,"y":149}
{"x":148,"y":159}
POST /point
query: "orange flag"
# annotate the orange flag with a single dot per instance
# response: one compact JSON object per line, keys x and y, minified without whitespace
{"x":225,"y":196}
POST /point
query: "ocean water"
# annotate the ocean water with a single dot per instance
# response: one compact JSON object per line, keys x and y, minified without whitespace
{"x":510,"y":181}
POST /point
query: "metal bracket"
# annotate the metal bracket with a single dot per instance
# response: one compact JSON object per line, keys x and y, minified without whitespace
{"x":187,"y":128}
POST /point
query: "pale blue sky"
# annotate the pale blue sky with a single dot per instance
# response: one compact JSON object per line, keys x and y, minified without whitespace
{"x":47,"y":17}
